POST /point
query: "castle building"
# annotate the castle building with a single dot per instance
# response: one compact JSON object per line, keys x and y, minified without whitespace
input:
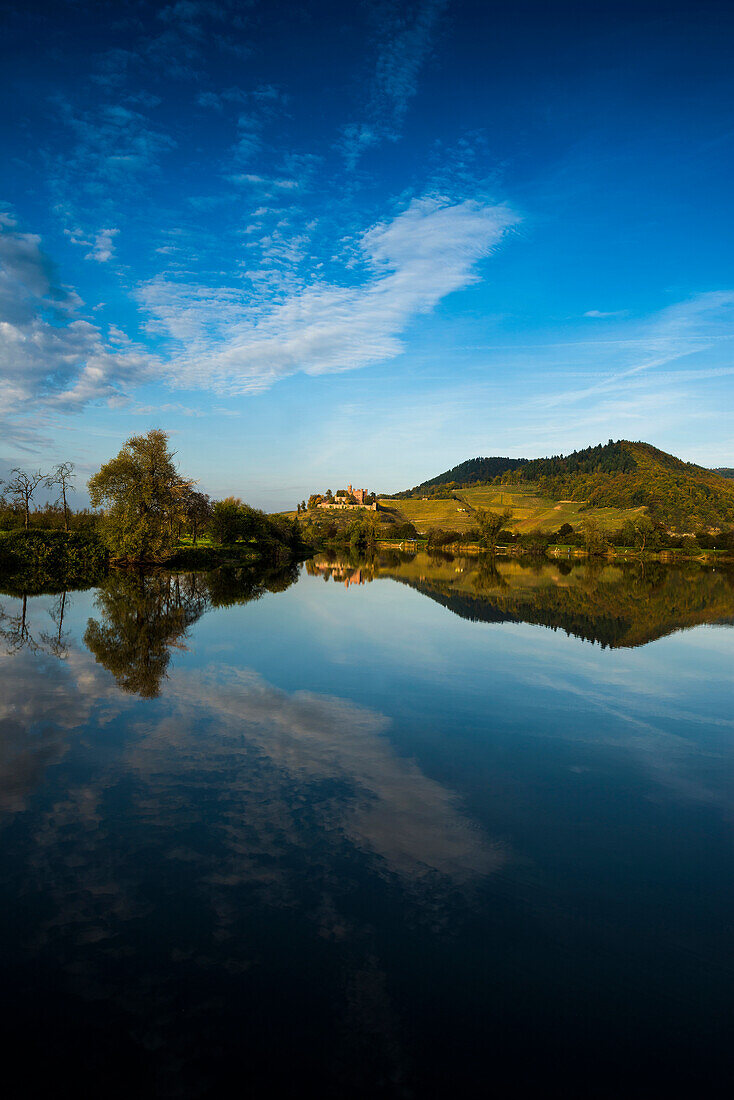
{"x":344,"y":502}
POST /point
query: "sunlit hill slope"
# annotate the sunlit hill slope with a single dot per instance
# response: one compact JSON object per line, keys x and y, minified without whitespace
{"x":618,"y":476}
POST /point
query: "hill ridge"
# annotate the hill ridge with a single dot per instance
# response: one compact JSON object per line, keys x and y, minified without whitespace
{"x":619,"y":474}
{"x":471,"y":471}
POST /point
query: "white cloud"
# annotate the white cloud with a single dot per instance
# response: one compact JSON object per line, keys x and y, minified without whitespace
{"x":103,"y":248}
{"x":50,"y":357}
{"x":234,"y":342}
{"x":284,"y":184}
{"x":278,"y":317}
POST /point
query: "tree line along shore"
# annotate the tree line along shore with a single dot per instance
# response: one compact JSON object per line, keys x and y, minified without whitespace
{"x":144,"y":513}
{"x":610,"y":499}
{"x":489,"y":531}
{"x":491,"y":534}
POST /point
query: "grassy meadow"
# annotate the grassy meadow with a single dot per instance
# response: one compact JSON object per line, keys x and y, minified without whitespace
{"x":452,"y":515}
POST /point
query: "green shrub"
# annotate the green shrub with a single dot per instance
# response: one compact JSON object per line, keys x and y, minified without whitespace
{"x":55,"y":556}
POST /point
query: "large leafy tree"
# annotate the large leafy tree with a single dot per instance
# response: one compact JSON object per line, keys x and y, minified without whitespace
{"x":490,"y":524}
{"x":197,"y":511}
{"x":642,"y":533}
{"x":230,"y":521}
{"x":234,"y":521}
{"x":595,"y":540}
{"x":140,"y":491}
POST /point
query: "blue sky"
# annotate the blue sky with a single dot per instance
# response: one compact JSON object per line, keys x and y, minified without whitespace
{"x":322,"y":243}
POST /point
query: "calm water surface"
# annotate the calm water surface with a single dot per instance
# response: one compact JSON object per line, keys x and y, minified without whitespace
{"x":409,"y":828}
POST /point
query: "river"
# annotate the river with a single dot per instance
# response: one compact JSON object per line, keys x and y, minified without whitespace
{"x":408,"y":827}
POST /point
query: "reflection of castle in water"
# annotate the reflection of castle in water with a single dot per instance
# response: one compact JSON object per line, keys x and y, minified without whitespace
{"x":341,"y":571}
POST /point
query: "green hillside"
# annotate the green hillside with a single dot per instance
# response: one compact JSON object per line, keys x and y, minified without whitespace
{"x":529,"y":510}
{"x":473,"y":471}
{"x":621,"y":476}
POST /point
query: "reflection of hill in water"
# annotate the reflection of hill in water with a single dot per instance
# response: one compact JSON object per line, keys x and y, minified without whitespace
{"x":617,"y":605}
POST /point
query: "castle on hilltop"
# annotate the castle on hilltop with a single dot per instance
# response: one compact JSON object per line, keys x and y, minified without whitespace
{"x":352,"y":498}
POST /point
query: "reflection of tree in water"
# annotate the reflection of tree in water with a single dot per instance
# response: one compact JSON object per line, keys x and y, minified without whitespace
{"x":487,"y":576}
{"x":16,"y":629}
{"x":17,"y":632}
{"x":57,"y":642}
{"x":232,"y":585}
{"x":145,"y":615}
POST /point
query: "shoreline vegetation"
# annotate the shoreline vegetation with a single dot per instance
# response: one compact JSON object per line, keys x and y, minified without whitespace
{"x":49,"y":561}
{"x":610,"y":553}
{"x":141,"y":615}
{"x":146,"y":515}
{"x":552,"y":550}
{"x":639,"y":539}
{"x":617,"y":502}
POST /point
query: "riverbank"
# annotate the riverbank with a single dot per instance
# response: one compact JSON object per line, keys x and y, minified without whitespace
{"x":45,"y":560}
{"x":617,"y":553}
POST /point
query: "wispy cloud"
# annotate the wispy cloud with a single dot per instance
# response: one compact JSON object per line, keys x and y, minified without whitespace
{"x":104,"y":156}
{"x":642,"y":378}
{"x":598,"y":313}
{"x":401,"y":55}
{"x":233,"y":341}
{"x":188,"y":30}
{"x":676,"y":332}
{"x":660,"y":378}
{"x":111,"y":140}
{"x":264,"y":95}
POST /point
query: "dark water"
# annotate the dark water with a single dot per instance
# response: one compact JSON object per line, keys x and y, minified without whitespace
{"x":465,"y":830}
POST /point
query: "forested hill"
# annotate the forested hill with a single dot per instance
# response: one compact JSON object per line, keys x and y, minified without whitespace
{"x":618,"y":474}
{"x":610,"y":458}
{"x":628,"y":475}
{"x":475,"y":471}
